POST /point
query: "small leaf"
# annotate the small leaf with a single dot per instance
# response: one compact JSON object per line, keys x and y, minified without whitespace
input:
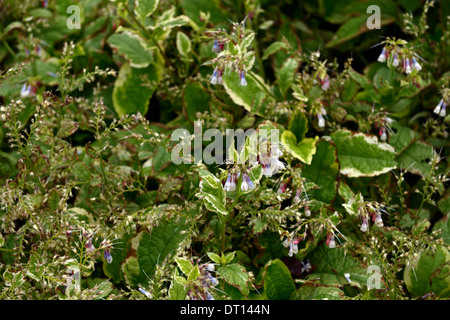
{"x":286,"y":74}
{"x":184,"y":45}
{"x":185,"y":265}
{"x":303,"y":151}
{"x":275,"y":47}
{"x":247,"y":41}
{"x":214,"y":257}
{"x":145,"y":8}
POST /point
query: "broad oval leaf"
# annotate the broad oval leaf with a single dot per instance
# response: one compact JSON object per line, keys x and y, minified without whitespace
{"x":361,"y":155}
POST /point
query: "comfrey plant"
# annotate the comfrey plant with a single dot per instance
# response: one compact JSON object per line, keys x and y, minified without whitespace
{"x":161,"y":152}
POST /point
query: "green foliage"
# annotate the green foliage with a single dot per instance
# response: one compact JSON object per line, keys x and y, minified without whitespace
{"x":344,"y":196}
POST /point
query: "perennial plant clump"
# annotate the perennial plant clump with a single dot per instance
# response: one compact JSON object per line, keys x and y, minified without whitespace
{"x":214,"y":150}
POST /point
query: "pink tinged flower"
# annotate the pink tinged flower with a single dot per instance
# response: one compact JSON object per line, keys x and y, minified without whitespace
{"x":90,"y":248}
{"x":416,"y":65}
{"x":297,"y":195}
{"x":382,"y":134}
{"x":293,"y":247}
{"x":307,"y":211}
{"x":395,"y":60}
{"x":244,"y":184}
{"x":382,"y":57}
{"x":365,"y":225}
{"x":282,"y":188}
{"x":407,"y":66}
{"x":325,"y":83}
{"x":242,"y":81}
{"x":330,"y":241}
{"x":266,"y":169}
{"x":437,"y":110}
{"x":230,"y":184}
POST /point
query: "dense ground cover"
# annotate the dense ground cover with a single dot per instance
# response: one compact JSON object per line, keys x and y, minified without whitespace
{"x":113,"y":187}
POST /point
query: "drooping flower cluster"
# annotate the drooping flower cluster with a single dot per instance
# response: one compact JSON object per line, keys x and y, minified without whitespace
{"x":440,"y":108}
{"x":232,"y":179}
{"x":269,"y":160}
{"x":291,"y":242}
{"x":383,"y":123}
{"x":331,"y":243}
{"x":106,"y":245}
{"x":371,"y":210}
{"x":395,"y":52}
{"x":201,"y":287}
{"x":236,"y":57}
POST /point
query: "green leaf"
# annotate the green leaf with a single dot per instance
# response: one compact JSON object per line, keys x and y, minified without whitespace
{"x":235,"y":275}
{"x":212,"y":203}
{"x":350,"y":29}
{"x":275,"y":47}
{"x":323,"y":171}
{"x":174,"y":22}
{"x":286,"y":74}
{"x":401,"y":137}
{"x":151,"y":249}
{"x":195,"y":99}
{"x":145,"y":8}
{"x":444,"y":226}
{"x":194,"y":274}
{"x":252,"y":97}
{"x":361,"y":155}
{"x":184,"y":45}
{"x":308,"y":292}
{"x":247,"y":41}
{"x":303,"y":151}
{"x":185,"y":265}
{"x":132,"y":47}
{"x":134,"y":88}
{"x":278,"y":283}
{"x":332,"y":264}
{"x":214,"y":257}
{"x":414,"y":158}
{"x":177,"y":289}
{"x":430,"y":273}
{"x":365,"y":84}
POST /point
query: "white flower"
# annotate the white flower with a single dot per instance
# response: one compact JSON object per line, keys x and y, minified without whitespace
{"x":382,"y":57}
